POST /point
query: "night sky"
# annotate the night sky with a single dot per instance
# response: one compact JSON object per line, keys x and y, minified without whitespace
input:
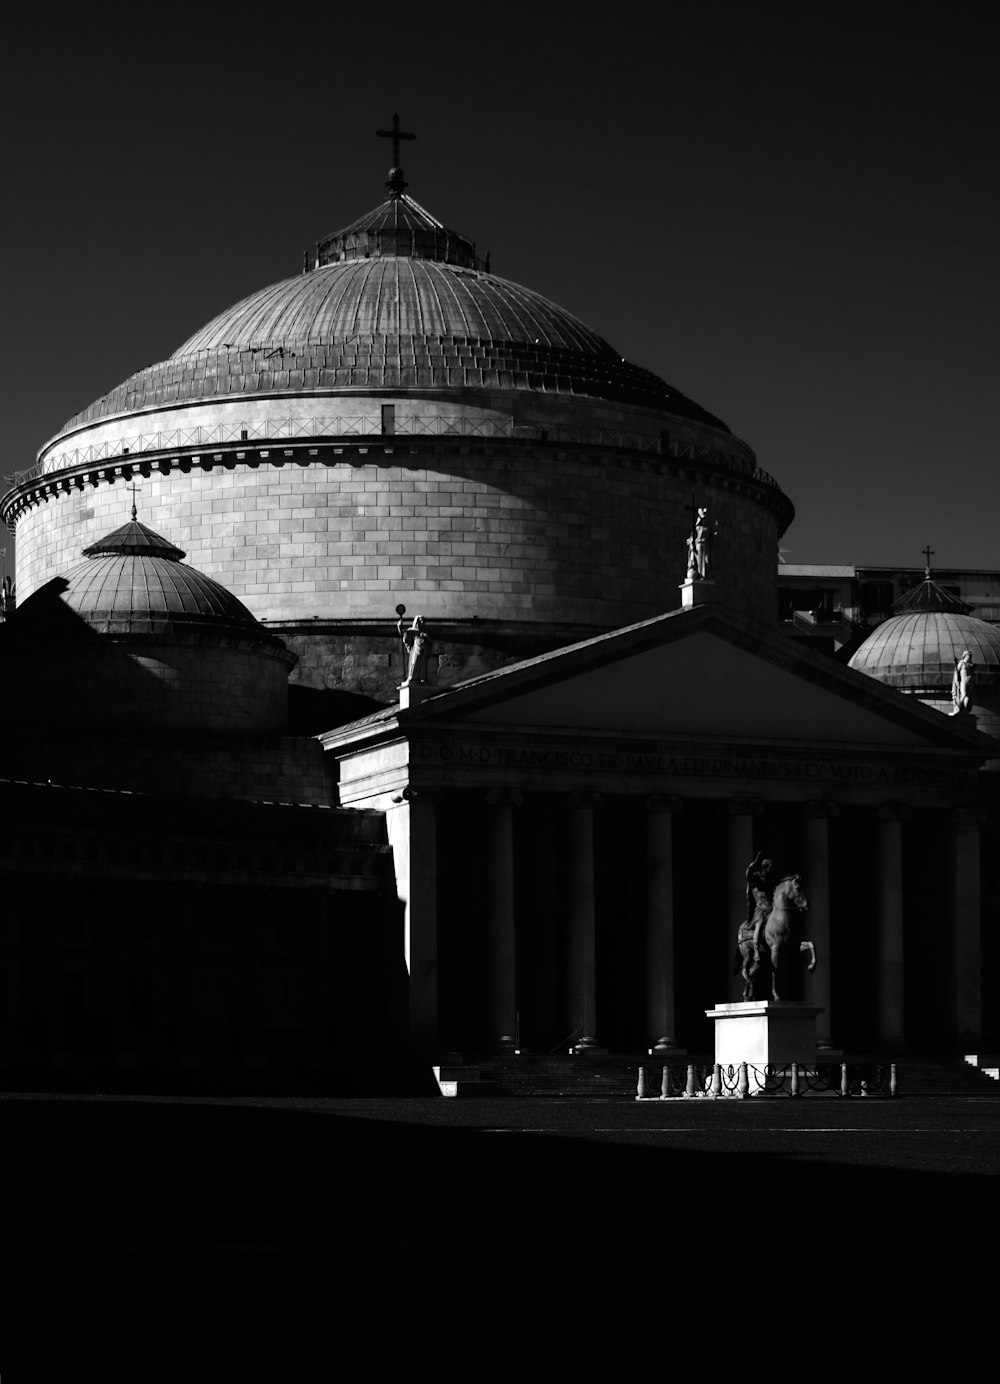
{"x":788,"y":211}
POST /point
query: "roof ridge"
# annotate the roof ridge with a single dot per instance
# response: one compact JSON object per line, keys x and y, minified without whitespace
{"x":930,"y":598}
{"x":134,"y":539}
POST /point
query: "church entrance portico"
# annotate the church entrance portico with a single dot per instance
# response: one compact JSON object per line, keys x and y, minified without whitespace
{"x":592,"y":842}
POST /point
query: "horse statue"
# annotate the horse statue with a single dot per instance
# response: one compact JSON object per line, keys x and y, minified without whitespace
{"x":773,"y":931}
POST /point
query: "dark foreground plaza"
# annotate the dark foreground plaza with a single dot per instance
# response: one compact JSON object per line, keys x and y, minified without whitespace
{"x":153,"y":1237}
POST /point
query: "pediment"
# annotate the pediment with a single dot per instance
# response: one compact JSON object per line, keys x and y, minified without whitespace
{"x":700,"y":673}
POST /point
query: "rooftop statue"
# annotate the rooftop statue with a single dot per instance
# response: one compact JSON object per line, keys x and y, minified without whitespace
{"x":770,"y":924}
{"x":417,"y":648}
{"x":699,"y":546}
{"x":961,"y":685}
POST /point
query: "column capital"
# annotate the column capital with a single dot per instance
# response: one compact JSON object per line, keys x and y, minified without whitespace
{"x":669,"y":803}
{"x":819,"y":809}
{"x":746,"y":807}
{"x":967,"y":818}
{"x":504,"y":797}
{"x":594,"y":800}
{"x":894,"y":812}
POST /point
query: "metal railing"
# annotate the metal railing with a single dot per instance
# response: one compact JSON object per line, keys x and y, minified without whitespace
{"x":742,"y":1080}
{"x":339,"y":426}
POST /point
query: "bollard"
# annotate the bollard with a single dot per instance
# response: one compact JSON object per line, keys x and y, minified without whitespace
{"x":795,"y":1079}
{"x":893,"y":1088}
{"x":716,"y":1088}
{"x":640,"y":1090}
{"x":689,"y":1090}
{"x":845,"y":1089}
{"x":743,"y":1085}
{"x":666,"y":1085}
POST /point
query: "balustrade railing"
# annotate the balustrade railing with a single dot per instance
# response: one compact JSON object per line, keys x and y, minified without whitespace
{"x":340,"y":426}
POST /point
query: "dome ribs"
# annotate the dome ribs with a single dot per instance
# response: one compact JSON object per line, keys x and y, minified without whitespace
{"x":392,"y":322}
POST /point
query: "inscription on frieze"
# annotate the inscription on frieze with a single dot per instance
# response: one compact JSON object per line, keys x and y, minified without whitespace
{"x":666,"y":763}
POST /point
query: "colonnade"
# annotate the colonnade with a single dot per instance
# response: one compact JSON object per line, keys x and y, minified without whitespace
{"x":413,"y":835}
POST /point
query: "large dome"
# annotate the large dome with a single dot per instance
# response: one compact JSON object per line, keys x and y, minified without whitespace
{"x":394,"y":301}
{"x":398,"y":426}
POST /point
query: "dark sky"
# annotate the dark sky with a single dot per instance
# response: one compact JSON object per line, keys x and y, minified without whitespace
{"x":788,"y":211}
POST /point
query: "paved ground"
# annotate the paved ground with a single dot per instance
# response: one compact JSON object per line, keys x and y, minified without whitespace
{"x":303,"y":1239}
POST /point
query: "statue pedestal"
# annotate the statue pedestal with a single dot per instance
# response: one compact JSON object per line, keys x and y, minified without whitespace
{"x":765,"y":1032}
{"x":697,"y":591}
{"x":413,"y":693}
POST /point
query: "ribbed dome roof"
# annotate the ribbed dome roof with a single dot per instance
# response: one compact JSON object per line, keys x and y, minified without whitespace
{"x":124,"y":593}
{"x":133,"y":582}
{"x":920,"y":650}
{"x":392,"y":296}
{"x":394,"y":301}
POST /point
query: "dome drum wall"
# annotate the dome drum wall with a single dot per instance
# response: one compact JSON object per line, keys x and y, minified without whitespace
{"x":366,"y":658}
{"x":303,"y":417}
{"x":154,"y":686}
{"x":487,"y":532}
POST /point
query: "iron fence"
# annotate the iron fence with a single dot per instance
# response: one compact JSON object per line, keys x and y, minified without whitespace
{"x":340,"y":426}
{"x":742,"y":1080}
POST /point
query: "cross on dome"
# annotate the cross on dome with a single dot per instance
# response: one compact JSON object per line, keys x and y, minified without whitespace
{"x":395,"y":182}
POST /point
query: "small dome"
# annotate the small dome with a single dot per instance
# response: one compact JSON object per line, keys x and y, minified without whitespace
{"x":133,"y":582}
{"x":122,"y":593}
{"x":919,"y":650}
{"x":145,"y":641}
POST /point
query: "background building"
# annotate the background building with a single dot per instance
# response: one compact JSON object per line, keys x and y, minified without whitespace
{"x":833,"y":608}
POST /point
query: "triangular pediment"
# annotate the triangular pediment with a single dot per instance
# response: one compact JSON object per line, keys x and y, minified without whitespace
{"x":701,"y":672}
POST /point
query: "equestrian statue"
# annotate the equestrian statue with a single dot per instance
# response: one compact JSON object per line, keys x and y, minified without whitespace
{"x":771,"y":925}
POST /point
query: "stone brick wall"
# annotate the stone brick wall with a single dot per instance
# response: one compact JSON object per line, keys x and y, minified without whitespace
{"x":488,"y":531}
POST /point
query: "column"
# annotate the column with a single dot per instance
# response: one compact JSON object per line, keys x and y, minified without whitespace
{"x":248,"y":958}
{"x":412,"y":829}
{"x":501,"y":968}
{"x":320,"y":998}
{"x":183,"y":998}
{"x":742,"y":811}
{"x":966,"y":905}
{"x":582,"y":931}
{"x":816,"y":840}
{"x":889,"y":990}
{"x":122,"y":1036}
{"x":661,"y":1018}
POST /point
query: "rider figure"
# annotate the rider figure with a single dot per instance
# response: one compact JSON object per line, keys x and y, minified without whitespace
{"x":759,"y":892}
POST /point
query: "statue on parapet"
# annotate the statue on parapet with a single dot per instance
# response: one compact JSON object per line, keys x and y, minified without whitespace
{"x":962,"y":682}
{"x":699,"y":546}
{"x":417,"y":648}
{"x":768,"y":933}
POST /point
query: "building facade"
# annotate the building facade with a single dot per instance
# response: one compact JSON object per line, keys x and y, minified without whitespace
{"x":545,"y":840}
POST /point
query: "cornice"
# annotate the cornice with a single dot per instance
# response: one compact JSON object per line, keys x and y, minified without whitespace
{"x":726,"y":472}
